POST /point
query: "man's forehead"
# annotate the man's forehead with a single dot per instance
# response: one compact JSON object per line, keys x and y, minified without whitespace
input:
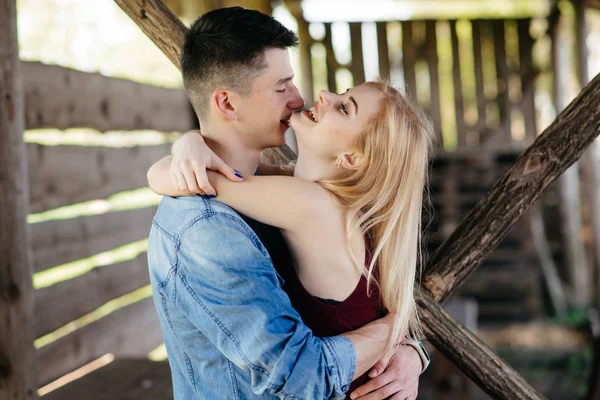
{"x":278,"y":66}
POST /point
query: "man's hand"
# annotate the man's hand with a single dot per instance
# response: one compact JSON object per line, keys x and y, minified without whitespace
{"x":395,"y":376}
{"x":191,"y":158}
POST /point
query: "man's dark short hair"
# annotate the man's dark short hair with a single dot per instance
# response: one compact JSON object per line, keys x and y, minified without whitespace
{"x":225,"y":48}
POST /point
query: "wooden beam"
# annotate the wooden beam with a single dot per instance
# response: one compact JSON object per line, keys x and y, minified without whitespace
{"x":77,"y":297}
{"x":60,"y":241}
{"x":357,"y":66}
{"x":330,"y":61}
{"x":159,"y":24}
{"x":590,"y":161}
{"x":561,"y":144}
{"x":139,"y":333}
{"x":91,"y":172}
{"x":409,"y":57}
{"x":470,"y":354}
{"x":59,"y":97}
{"x":434,"y":79}
{"x":479,"y":86}
{"x":527,"y":75}
{"x":383,"y":51}
{"x":503,"y":101}
{"x":458,"y":87}
{"x":306,"y":41}
{"x":17,"y":376}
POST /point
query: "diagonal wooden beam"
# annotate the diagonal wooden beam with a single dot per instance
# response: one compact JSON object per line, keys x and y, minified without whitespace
{"x":569,"y":135}
{"x":561,"y":144}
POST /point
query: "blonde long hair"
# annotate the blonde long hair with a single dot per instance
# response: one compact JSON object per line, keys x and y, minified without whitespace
{"x":384,"y":200}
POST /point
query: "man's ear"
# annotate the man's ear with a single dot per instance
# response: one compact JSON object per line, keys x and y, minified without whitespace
{"x":221,"y":99}
{"x":352,"y":161}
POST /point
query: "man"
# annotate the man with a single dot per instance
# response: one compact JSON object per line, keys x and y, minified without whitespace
{"x":228,"y":326}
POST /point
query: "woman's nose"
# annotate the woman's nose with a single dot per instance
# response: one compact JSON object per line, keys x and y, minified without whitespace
{"x":326,"y":97}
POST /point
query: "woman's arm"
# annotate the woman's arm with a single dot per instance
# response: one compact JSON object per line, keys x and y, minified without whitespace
{"x":161,"y":182}
{"x":282,"y":201}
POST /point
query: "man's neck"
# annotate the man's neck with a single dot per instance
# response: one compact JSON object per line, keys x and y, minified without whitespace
{"x":233,"y":151}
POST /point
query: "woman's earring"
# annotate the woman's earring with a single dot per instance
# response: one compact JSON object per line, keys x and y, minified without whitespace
{"x":338,"y":163}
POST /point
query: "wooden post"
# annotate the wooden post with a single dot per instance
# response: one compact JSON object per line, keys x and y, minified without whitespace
{"x":434,"y":80}
{"x":590,"y":160}
{"x":357,"y":66}
{"x":295,"y":7}
{"x":568,"y":191}
{"x":559,"y":146}
{"x":17,"y":371}
{"x":458,"y":87}
{"x":481,"y":231}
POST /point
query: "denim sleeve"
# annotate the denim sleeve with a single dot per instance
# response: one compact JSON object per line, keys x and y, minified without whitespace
{"x":230,"y":290}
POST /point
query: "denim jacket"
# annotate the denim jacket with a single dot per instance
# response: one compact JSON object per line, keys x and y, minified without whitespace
{"x":229,"y":328}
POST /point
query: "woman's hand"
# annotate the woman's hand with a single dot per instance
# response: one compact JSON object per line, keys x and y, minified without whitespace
{"x":191,"y":157}
{"x":395,"y":376}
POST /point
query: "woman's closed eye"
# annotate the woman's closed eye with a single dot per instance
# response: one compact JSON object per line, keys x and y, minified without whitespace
{"x":344,"y":109}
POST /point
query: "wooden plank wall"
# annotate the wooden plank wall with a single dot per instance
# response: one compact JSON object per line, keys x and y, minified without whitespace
{"x":62,"y":175}
{"x":478,"y":70}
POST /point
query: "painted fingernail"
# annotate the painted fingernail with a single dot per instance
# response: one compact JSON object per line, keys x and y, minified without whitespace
{"x":239,"y":175}
{"x":211,"y":196}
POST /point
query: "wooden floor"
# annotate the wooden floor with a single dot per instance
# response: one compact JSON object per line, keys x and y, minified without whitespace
{"x":122,"y":379}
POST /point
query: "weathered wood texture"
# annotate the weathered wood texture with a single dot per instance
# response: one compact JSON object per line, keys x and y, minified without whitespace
{"x":17,"y":372}
{"x":138,"y":333}
{"x":62,"y":175}
{"x":60,"y":241}
{"x":473,"y":357}
{"x":159,"y":24}
{"x":163,"y":28}
{"x":58,"y":97}
{"x":64,"y":302}
{"x":123,"y":379}
{"x":561,"y":144}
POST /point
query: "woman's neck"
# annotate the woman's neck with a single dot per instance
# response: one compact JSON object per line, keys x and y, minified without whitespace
{"x":314,"y":169}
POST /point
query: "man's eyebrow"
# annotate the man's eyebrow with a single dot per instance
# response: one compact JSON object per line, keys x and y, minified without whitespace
{"x":355,"y":104}
{"x":284,"y":80}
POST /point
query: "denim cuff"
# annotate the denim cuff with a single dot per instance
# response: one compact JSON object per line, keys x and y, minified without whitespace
{"x":343,"y":355}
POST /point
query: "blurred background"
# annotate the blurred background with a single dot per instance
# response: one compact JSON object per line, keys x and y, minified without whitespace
{"x":103,"y":103}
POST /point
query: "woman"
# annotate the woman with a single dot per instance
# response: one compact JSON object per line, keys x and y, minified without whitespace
{"x":352,"y":211}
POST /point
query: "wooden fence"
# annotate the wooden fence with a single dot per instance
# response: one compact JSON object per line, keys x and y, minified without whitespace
{"x":73,"y":310}
{"x":61,"y":175}
{"x":481,"y":70}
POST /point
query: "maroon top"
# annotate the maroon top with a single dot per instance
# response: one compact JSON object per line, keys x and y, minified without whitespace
{"x":330,"y":318}
{"x":323,"y":318}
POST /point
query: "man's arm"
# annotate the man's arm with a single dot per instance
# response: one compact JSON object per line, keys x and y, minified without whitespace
{"x":233,"y":295}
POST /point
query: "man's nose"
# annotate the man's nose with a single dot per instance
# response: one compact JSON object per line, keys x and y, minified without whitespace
{"x":296,"y":102}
